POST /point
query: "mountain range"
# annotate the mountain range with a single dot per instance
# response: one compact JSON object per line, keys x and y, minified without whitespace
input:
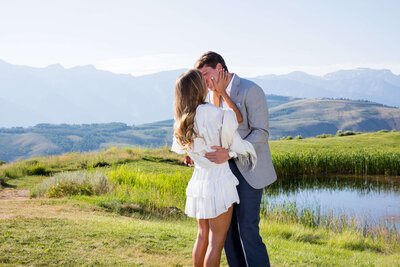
{"x":83,"y":108}
{"x":380,"y":86}
{"x":84,"y":94}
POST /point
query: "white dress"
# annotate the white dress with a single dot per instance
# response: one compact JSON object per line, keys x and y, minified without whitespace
{"x":212,"y":188}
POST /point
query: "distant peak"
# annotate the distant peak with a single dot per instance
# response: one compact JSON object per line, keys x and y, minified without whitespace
{"x":297,"y":72}
{"x":55,"y":66}
{"x":353,"y":73}
{"x":85,"y":67}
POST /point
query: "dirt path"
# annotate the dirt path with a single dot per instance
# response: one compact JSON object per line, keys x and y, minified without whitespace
{"x":16,"y":203}
{"x":14,"y":194}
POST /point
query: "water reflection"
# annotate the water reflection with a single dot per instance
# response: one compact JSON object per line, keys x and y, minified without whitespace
{"x":372,"y":199}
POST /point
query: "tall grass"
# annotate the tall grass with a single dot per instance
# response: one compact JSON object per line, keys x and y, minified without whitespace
{"x":159,"y":189}
{"x":148,"y":188}
{"x":311,"y":217}
{"x":83,"y":161}
{"x":313,"y":162}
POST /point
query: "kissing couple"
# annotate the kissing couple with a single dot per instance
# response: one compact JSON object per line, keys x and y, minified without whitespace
{"x":227,"y":142}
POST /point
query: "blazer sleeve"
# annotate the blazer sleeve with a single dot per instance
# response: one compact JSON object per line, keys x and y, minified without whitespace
{"x":257,"y":115}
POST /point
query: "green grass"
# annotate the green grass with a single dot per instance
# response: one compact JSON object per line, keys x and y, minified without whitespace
{"x":369,"y":153}
{"x":87,"y":238}
{"x":139,"y":219}
{"x":382,"y":236}
{"x":79,"y":235}
{"x":26,"y":182}
{"x":157,"y":189}
{"x":51,"y":165}
{"x":378,"y":141}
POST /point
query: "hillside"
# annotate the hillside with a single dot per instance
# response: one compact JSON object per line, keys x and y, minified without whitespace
{"x":306,"y":117}
{"x":311,"y":117}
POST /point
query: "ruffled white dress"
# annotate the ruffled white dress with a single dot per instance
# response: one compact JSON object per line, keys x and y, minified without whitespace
{"x":212,"y":188}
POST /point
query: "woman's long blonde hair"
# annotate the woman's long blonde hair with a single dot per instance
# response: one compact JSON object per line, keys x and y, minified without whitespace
{"x":190,"y":92}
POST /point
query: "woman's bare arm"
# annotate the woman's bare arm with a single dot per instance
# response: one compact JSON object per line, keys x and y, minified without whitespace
{"x":216,"y":99}
{"x":220,"y":88}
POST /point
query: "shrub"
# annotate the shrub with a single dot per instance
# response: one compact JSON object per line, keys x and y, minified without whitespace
{"x":346,"y":133}
{"x":128,"y":150}
{"x":69,"y":188}
{"x":97,"y":181}
{"x":298,"y":137}
{"x":289,"y":137}
{"x":3,"y":181}
{"x":2,"y":162}
{"x":100,"y":163}
{"x":38,"y":170}
{"x":393,"y":131}
{"x":324,"y":136}
{"x":383,"y":131}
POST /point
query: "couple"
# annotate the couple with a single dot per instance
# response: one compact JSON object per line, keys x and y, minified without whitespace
{"x":229,"y":148}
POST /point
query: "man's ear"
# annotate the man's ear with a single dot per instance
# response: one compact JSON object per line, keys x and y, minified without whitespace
{"x":218,"y":67}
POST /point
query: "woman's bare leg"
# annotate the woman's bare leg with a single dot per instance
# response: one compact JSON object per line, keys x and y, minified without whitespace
{"x":218,"y":228}
{"x":201,"y":244}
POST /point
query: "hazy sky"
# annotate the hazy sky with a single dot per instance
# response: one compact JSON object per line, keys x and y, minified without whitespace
{"x":254,"y":37}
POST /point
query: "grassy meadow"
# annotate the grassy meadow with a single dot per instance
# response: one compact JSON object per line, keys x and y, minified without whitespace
{"x":125,"y":207}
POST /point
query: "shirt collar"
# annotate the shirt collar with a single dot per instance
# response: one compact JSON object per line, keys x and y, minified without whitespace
{"x":229,"y":87}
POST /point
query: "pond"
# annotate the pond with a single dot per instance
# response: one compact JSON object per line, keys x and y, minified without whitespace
{"x":371,"y":200}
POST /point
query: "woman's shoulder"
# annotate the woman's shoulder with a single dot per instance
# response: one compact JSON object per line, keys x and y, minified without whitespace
{"x":207,"y":114}
{"x":208,"y":109}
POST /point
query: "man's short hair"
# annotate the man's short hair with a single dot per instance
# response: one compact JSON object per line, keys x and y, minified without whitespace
{"x":210,"y":59}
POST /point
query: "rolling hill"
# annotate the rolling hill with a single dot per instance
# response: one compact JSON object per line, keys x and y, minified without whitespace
{"x":311,"y":117}
{"x":306,"y":117}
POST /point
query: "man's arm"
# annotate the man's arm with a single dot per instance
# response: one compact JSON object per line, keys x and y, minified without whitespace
{"x":257,"y":116}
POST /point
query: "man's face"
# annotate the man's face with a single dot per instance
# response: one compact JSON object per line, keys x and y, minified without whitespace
{"x":209,"y":72}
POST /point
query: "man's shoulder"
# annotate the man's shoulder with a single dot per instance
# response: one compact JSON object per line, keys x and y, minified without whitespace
{"x":251,"y":91}
{"x":247,"y":84}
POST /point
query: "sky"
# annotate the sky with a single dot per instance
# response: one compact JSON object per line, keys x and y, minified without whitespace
{"x":254,"y":37}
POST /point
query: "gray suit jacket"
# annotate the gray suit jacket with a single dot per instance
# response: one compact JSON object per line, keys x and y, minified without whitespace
{"x":252,"y":103}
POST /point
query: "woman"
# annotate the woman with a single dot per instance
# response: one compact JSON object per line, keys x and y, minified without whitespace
{"x":211,"y":191}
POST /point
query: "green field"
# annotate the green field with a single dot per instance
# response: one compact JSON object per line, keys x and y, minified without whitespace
{"x":376,"y":141}
{"x":124,"y":206}
{"x":362,"y":154}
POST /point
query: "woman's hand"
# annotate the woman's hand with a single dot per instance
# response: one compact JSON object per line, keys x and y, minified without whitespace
{"x":222,"y":83}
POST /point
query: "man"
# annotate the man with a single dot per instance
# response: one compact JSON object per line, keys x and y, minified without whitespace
{"x":243,"y":245}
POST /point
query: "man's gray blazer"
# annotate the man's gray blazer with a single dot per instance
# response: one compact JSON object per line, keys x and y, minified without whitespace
{"x":252,"y":103}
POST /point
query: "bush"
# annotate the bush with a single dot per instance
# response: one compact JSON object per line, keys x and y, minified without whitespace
{"x":3,"y":181}
{"x":393,"y":131}
{"x":289,"y":137}
{"x":70,"y":188}
{"x":298,"y":137}
{"x":383,"y":131}
{"x":2,"y":162}
{"x":324,"y":136}
{"x":96,"y":180}
{"x":38,"y":170}
{"x":100,"y":163}
{"x":346,"y":133}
